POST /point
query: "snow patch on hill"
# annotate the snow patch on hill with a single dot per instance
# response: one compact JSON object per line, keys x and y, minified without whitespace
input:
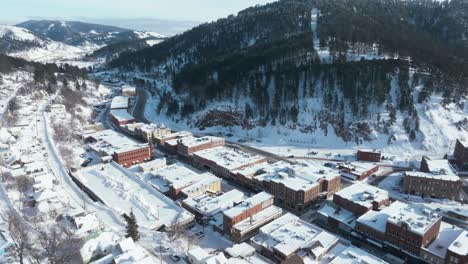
{"x":17,"y":33}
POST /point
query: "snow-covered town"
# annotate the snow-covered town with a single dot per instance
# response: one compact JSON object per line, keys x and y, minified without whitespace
{"x":100,"y":164}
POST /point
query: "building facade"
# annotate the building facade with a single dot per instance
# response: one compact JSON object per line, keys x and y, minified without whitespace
{"x":461,"y":154}
{"x":432,"y":185}
{"x":369,"y":155}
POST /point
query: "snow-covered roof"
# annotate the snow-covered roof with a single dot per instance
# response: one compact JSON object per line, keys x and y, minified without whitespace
{"x":418,"y":219}
{"x":191,"y":141}
{"x":209,"y":205}
{"x":110,"y":142}
{"x":288,"y":234}
{"x":240,"y":250}
{"x":152,"y":165}
{"x":301,"y":176}
{"x":354,"y":255}
{"x":179,"y":176}
{"x":447,"y":235}
{"x":207,"y":179}
{"x":120,"y":102}
{"x":128,"y":88}
{"x":363,"y":194}
{"x":351,"y":169}
{"x":460,"y":245}
{"x":123,"y":191}
{"x":179,"y":134}
{"x":340,"y":214}
{"x":228,"y":158}
{"x":121,"y":115}
{"x":439,"y":166}
{"x":258,"y":219}
{"x":248,"y":203}
{"x":439,"y":175}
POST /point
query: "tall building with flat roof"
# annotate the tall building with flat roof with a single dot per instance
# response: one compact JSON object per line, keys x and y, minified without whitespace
{"x":360,"y":198}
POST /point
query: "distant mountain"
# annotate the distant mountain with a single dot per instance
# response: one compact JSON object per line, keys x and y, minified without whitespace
{"x":82,"y":34}
{"x":14,"y":39}
{"x":22,"y":43}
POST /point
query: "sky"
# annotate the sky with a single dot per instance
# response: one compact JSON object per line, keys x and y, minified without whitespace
{"x":15,"y":11}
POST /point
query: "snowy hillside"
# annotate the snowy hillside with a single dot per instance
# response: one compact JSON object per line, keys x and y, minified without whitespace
{"x":22,"y":43}
{"x":81,"y":34}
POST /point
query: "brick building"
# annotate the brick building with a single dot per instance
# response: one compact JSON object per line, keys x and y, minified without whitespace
{"x":162,"y":139}
{"x":442,"y":184}
{"x":461,"y":154}
{"x":186,"y":146}
{"x":123,"y":150}
{"x":436,"y":252}
{"x":178,"y":181}
{"x":298,"y":186}
{"x":121,"y":117}
{"x":457,"y":252}
{"x":223,"y":161}
{"x":290,"y":240}
{"x":357,"y":170}
{"x":403,"y":226}
{"x":360,"y":198}
{"x":247,"y":210}
{"x":369,"y":155}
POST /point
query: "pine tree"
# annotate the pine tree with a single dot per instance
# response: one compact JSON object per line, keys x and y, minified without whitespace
{"x":132,"y":226}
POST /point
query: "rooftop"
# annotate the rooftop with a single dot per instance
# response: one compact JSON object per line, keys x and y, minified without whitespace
{"x":121,"y":115}
{"x":418,"y":219}
{"x":191,"y":141}
{"x":229,"y":158}
{"x":258,"y":219}
{"x":209,"y":205}
{"x":301,"y":176}
{"x":119,"y":102}
{"x":354,"y":255}
{"x":337,"y":213}
{"x":176,"y":134}
{"x":178,"y":175}
{"x":363,"y":194}
{"x":289,"y":234}
{"x":348,"y":169}
{"x":248,"y":203}
{"x":439,"y":176}
{"x":447,"y":235}
{"x":110,"y":142}
{"x":207,"y":180}
{"x":123,"y":191}
{"x":460,"y":245}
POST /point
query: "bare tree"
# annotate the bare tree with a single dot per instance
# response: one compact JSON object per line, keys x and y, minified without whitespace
{"x":60,"y":246}
{"x":20,"y":236}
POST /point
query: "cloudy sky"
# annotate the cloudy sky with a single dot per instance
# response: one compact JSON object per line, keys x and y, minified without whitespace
{"x":14,"y":11}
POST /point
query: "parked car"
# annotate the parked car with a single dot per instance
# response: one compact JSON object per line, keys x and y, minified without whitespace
{"x":175,"y":257}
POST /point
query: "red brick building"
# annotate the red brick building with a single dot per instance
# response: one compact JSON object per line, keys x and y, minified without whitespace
{"x":296,"y":187}
{"x":461,"y":154}
{"x":248,"y":210}
{"x":457,"y":252}
{"x":369,"y":155}
{"x":186,"y":146}
{"x":223,"y":161}
{"x":134,"y":156}
{"x":121,"y":117}
{"x":402,"y":226}
{"x":357,"y":170}
{"x":424,"y":184}
{"x":123,"y":150}
{"x":360,"y":198}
